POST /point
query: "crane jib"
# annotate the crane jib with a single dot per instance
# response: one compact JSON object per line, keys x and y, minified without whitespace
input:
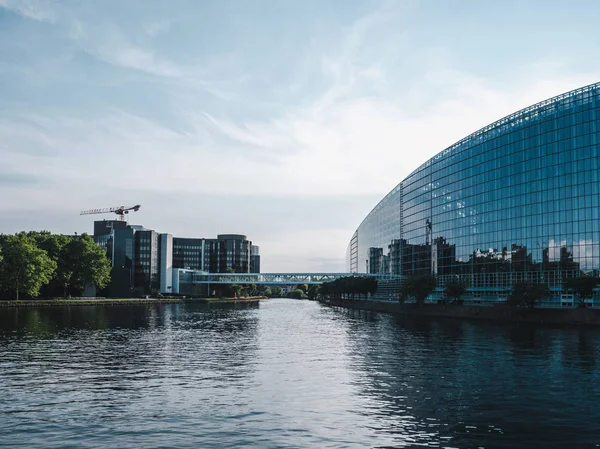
{"x":120,"y":210}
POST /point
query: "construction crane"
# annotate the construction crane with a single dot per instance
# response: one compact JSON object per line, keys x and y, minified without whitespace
{"x":121,"y":211}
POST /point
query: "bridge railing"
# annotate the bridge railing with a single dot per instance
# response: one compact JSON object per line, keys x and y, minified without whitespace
{"x":277,"y":278}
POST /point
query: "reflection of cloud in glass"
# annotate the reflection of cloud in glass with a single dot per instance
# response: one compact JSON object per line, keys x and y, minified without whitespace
{"x":582,"y":252}
{"x":515,"y":200}
{"x":554,"y":249}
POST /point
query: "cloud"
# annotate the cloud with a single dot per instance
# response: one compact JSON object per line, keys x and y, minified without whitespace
{"x":290,"y":132}
{"x":15,"y":179}
{"x":40,"y":10}
{"x":112,"y":46}
{"x":154,"y":29}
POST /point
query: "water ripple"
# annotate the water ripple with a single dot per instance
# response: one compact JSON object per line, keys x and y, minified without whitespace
{"x":290,"y":374}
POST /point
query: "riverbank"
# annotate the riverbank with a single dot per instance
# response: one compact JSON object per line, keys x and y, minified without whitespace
{"x":123,"y":301}
{"x":499,"y":313}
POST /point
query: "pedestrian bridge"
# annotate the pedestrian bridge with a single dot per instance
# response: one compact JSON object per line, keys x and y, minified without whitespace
{"x":195,"y":282}
{"x":198,"y":277}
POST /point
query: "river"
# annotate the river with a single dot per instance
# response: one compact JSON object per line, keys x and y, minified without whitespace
{"x":290,"y":374}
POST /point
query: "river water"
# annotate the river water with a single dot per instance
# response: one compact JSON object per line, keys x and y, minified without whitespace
{"x":290,"y":374}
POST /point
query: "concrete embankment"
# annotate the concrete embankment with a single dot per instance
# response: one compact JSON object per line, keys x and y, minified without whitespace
{"x":500,"y":313}
{"x":123,"y":301}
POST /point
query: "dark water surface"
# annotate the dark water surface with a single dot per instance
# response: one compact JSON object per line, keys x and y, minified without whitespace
{"x":290,"y":374}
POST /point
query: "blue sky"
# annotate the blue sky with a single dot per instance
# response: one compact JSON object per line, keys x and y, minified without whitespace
{"x":283,"y":120}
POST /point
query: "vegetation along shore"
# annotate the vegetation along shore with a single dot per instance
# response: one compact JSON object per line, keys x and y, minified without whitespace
{"x":60,"y":302}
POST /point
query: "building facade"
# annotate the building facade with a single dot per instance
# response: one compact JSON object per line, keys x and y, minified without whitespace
{"x":226,"y":253}
{"x":118,"y":239}
{"x":188,"y":253}
{"x":233,"y":252}
{"x":146,"y":265}
{"x":144,"y":261}
{"x":254,"y":259}
{"x":516,"y":200}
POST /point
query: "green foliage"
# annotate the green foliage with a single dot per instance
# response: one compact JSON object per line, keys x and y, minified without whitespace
{"x":419,"y":287}
{"x":236,"y":290}
{"x":76,"y":262}
{"x":303,"y":287}
{"x":276,"y":292}
{"x":349,"y":286}
{"x":582,"y":287}
{"x":83,"y":262}
{"x":25,"y":267}
{"x":230,"y":290}
{"x":296,"y":294}
{"x":528,"y":294}
{"x":313,"y":292}
{"x":53,"y":244}
{"x":454,"y":290}
{"x":267,"y":292}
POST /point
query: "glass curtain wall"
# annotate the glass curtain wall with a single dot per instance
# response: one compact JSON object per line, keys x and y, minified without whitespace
{"x":516,"y":200}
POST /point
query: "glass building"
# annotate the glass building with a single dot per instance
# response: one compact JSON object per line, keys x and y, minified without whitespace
{"x":254,"y":259}
{"x":146,"y":271}
{"x":516,"y":200}
{"x":144,"y":261}
{"x":228,"y":252}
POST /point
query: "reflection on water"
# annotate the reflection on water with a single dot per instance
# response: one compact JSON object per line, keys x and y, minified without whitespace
{"x":290,"y":374}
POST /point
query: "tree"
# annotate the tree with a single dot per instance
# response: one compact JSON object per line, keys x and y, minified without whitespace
{"x":267,"y":292}
{"x":371,"y":285}
{"x":230,"y":290}
{"x":303,"y":287}
{"x":235,"y":290}
{"x":25,"y":267}
{"x":582,"y":287}
{"x":313,"y":292}
{"x":276,"y":292}
{"x":253,"y":290}
{"x":454,"y":291}
{"x":349,"y":286}
{"x":296,"y":294}
{"x":83,"y":263}
{"x":54,"y":245}
{"x":528,"y":294}
{"x":418,"y":286}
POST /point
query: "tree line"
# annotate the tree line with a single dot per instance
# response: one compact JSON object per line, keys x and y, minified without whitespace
{"x":349,"y":287}
{"x":523,"y":293}
{"x":43,"y":264}
{"x":244,"y":290}
{"x":303,"y":291}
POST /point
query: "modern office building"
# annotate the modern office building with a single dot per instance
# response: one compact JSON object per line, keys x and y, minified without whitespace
{"x":254,"y":259}
{"x":166,"y":263}
{"x":118,"y":239}
{"x":144,"y":261}
{"x":228,"y":252}
{"x":188,"y":253}
{"x":233,"y":254}
{"x":516,"y":200}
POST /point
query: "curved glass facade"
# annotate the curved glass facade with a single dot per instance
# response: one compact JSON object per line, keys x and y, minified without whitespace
{"x":518,"y":199}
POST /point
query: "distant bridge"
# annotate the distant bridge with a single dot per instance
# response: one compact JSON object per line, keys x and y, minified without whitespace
{"x":198,"y":277}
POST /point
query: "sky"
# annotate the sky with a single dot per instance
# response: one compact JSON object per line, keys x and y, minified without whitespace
{"x":286,"y":121}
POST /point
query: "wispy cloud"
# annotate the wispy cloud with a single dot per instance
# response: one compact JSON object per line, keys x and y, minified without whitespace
{"x":111,"y":45}
{"x":154,"y":29}
{"x":225,"y":118}
{"x":38,"y":10}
